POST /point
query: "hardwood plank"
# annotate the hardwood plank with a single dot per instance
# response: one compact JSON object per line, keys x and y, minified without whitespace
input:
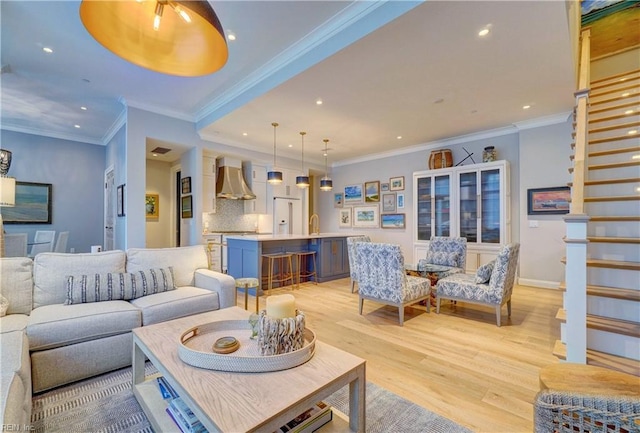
{"x":458,"y":363}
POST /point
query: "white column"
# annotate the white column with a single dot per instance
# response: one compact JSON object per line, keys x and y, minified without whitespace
{"x":575,"y":300}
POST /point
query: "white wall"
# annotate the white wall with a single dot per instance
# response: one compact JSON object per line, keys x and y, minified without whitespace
{"x":159,"y":181}
{"x":545,"y":161}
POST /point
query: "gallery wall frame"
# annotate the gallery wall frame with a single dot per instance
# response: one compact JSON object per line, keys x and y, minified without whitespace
{"x":186,"y":185}
{"x":353,"y":193}
{"x":389,"y":202}
{"x":366,"y":216}
{"x":400,"y":200}
{"x":548,"y":201}
{"x":33,"y":202}
{"x":372,"y":191}
{"x":338,"y":200}
{"x":396,"y":183}
{"x":344,"y":217}
{"x":187,"y":210}
{"x":152,"y":206}
{"x":393,"y":221}
{"x":120,"y":200}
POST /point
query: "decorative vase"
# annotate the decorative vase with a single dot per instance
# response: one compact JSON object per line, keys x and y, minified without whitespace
{"x":489,"y":154}
{"x":5,"y":161}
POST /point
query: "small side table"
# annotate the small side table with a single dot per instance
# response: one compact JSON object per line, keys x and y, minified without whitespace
{"x":248,"y":283}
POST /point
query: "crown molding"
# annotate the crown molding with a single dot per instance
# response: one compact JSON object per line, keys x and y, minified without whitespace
{"x":52,"y":134}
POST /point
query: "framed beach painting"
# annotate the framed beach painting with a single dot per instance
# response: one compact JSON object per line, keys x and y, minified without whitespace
{"x":344,"y":217}
{"x":32,"y":204}
{"x":353,"y":193}
{"x":372,"y":191}
{"x":396,"y":183}
{"x":366,"y":216}
{"x":338,"y":200}
{"x":393,"y":221}
{"x":548,"y":201}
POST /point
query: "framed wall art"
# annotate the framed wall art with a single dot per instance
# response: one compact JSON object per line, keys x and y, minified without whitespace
{"x":389,"y":202}
{"x":393,"y":221}
{"x":396,"y":183}
{"x":344,"y":217}
{"x":120,"y":200}
{"x":338,"y":199}
{"x":384,"y":187}
{"x":372,"y":191}
{"x":152,"y":206}
{"x":366,"y":216}
{"x":548,"y":201}
{"x":400,"y":200}
{"x":32,"y":204}
{"x":353,"y":194}
{"x":187,"y":211}
{"x":186,"y":185}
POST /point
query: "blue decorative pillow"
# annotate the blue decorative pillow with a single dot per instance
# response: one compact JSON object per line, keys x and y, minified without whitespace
{"x":443,"y":258}
{"x":118,"y":286}
{"x":483,"y":274}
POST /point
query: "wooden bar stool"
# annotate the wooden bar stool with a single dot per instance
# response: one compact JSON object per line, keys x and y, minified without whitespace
{"x":284,"y":269}
{"x":248,"y":283}
{"x":302,"y":265}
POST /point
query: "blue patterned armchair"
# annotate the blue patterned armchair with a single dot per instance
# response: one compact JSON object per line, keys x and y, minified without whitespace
{"x":351,"y":241}
{"x":382,"y":278}
{"x":448,"y":252}
{"x":491,"y":285}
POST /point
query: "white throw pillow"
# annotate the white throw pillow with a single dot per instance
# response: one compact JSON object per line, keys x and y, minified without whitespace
{"x":4,"y":306}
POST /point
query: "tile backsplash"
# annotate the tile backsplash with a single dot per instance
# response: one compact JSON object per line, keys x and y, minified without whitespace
{"x":229,"y":216}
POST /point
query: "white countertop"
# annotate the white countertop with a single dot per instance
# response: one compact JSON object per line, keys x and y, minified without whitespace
{"x":271,"y":237}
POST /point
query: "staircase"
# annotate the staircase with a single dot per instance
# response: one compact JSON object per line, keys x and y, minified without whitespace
{"x":611,"y":200}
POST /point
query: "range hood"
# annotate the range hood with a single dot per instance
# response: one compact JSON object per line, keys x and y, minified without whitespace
{"x":230,"y":184}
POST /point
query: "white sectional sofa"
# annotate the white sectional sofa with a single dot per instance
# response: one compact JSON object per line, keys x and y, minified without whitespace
{"x":70,"y":316}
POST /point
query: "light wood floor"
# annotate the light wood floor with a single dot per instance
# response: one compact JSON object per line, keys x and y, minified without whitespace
{"x":458,"y":363}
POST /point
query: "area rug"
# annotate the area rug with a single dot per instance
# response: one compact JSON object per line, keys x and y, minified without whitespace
{"x":106,"y":404}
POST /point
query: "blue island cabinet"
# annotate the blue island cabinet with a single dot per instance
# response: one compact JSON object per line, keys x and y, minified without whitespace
{"x":332,"y":256}
{"x":245,"y":255}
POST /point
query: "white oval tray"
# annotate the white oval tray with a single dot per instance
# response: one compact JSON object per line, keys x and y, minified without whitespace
{"x":195,"y":348}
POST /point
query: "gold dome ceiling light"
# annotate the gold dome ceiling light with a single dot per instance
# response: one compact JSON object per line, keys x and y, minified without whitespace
{"x":183,"y":38}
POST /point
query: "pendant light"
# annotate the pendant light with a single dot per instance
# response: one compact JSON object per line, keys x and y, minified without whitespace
{"x":302,"y":181}
{"x":183,"y":38}
{"x":274,"y":177}
{"x":326,"y":184}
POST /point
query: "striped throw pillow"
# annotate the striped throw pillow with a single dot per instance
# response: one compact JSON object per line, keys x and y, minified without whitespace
{"x":118,"y":285}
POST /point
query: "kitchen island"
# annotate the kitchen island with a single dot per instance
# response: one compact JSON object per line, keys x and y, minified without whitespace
{"x":245,"y":254}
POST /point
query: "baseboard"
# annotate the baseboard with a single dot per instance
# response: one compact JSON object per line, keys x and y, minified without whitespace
{"x":539,"y":283}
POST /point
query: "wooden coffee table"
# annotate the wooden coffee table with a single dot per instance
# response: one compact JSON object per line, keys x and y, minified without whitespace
{"x":241,"y":402}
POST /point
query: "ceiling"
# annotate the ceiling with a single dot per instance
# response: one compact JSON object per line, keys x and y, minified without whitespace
{"x":383,"y":69}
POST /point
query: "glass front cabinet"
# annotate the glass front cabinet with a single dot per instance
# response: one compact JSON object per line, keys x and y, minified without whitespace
{"x":470,"y":201}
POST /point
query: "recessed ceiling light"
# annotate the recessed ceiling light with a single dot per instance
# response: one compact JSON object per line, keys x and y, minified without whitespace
{"x":231,"y":36}
{"x":318,"y":101}
{"x":47,"y":50}
{"x":76,"y":126}
{"x":632,"y":132}
{"x":245,"y":134}
{"x":154,"y":154}
{"x":291,"y":145}
{"x":624,"y":95}
{"x":526,"y":107}
{"x":399,"y":137}
{"x":83,"y":108}
{"x":484,"y":32}
{"x":628,"y":112}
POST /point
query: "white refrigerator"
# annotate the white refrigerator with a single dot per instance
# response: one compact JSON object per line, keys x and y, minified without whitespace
{"x":287,"y":216}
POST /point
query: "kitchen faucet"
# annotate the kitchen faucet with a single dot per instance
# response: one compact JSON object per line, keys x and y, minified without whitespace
{"x":314,"y":222}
